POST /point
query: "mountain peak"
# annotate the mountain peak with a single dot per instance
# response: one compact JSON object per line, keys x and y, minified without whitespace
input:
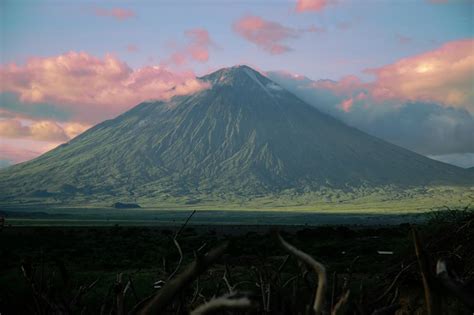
{"x":233,"y":74}
{"x":234,"y":70}
{"x":243,"y":78}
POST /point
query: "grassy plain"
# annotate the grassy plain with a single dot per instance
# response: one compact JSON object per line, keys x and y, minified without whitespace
{"x":384,"y":200}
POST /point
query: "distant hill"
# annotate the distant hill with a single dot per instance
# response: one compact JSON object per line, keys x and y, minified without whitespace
{"x":244,"y":136}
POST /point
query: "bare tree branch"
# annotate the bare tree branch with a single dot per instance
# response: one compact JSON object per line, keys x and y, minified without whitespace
{"x":431,"y":303}
{"x":319,"y":269}
{"x":225,"y":302}
{"x":453,"y":285}
{"x":341,"y":305}
{"x":166,"y":294}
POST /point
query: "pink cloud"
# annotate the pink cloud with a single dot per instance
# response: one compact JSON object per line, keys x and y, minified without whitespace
{"x":267,"y":35}
{"x":404,"y":40}
{"x":12,"y":128}
{"x":199,"y":44}
{"x":313,"y":29}
{"x":16,"y":154}
{"x":20,"y":150}
{"x":117,"y":13}
{"x":346,"y":105}
{"x":348,"y":85}
{"x":196,"y":48}
{"x":132,"y":48}
{"x":92,"y":88}
{"x":24,"y":139}
{"x":444,"y":75}
{"x":178,"y":58}
{"x":361,"y":96}
{"x":73,"y":129}
{"x":291,"y":75}
{"x":311,"y":5}
{"x":43,"y":130}
{"x":48,"y":131}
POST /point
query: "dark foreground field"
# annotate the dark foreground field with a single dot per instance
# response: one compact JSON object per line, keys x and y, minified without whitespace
{"x":110,"y":270}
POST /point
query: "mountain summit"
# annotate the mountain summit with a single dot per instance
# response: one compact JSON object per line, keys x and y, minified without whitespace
{"x":245,"y":135}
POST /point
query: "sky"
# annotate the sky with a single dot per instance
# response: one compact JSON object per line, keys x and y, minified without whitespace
{"x":401,"y":70}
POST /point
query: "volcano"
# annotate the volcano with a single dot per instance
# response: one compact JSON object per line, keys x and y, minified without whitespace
{"x":243,"y":136}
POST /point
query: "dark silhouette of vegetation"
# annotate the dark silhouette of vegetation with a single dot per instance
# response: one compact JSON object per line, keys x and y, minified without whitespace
{"x":327,"y":270}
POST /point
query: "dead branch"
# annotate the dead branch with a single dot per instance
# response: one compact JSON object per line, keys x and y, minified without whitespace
{"x":341,"y":305}
{"x":226,"y":278}
{"x":261,"y":285}
{"x":82,"y":291}
{"x":196,"y":292}
{"x":277,"y":274}
{"x":132,"y":287}
{"x":164,"y":296}
{"x":350,"y":270}
{"x":184,"y":224}
{"x":318,"y":268}
{"x":289,"y":281}
{"x":455,"y":286}
{"x":180,"y":261}
{"x":120,"y":291}
{"x":334,"y":288}
{"x":119,"y":296}
{"x":392,"y":285}
{"x":226,"y":302}
{"x":431,"y":307}
{"x":141,"y":304}
{"x":388,"y":310}
{"x":175,"y":241}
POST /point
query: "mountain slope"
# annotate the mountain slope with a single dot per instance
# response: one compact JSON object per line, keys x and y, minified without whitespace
{"x":245,"y":135}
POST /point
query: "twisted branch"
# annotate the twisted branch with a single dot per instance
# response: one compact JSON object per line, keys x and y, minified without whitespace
{"x":225,"y":302}
{"x":165,"y":295}
{"x":318,"y":268}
